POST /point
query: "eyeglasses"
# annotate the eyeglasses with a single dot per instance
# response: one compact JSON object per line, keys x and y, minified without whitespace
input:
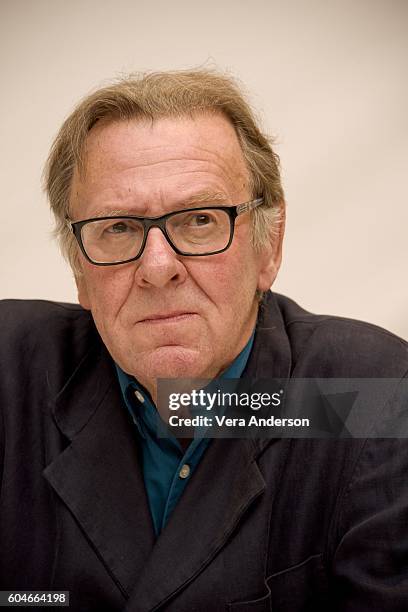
{"x":109,"y":241}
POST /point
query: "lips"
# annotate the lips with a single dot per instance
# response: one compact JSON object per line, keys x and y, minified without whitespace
{"x":167,"y":317}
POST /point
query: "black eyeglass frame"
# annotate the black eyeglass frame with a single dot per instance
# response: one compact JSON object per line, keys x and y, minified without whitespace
{"x":160,"y":222}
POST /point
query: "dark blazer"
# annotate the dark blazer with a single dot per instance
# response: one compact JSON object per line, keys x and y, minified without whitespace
{"x":263,"y":525}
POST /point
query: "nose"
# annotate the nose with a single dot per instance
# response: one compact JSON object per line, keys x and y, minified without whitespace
{"x":159,"y":264}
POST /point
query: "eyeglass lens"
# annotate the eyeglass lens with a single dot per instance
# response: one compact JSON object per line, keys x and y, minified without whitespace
{"x":196,"y":232}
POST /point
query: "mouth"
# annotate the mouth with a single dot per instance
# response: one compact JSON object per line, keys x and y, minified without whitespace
{"x":168,"y":317}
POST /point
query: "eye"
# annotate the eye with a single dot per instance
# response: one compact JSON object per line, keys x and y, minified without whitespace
{"x":118,"y":228}
{"x":201,"y":219}
{"x":111,"y":228}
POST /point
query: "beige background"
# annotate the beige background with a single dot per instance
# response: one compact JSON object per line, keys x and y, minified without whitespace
{"x":329,"y":78}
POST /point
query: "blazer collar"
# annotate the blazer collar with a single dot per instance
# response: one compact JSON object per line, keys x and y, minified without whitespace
{"x":271,"y":356}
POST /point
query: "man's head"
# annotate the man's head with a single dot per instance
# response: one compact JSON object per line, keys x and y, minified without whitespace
{"x":147,"y":147}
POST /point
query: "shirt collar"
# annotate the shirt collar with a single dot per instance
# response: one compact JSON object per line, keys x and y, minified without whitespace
{"x":129,"y":386}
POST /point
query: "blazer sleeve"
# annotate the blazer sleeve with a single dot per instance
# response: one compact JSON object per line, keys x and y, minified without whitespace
{"x":2,"y":447}
{"x":370,"y":559}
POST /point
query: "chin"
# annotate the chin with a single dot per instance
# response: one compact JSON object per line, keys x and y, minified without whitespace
{"x":176,"y":362}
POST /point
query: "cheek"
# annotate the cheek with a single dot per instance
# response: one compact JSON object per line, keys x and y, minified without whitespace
{"x":228,"y":281}
{"x":106,"y":289}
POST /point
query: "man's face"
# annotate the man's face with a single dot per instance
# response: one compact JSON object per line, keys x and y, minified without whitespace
{"x":167,"y":315}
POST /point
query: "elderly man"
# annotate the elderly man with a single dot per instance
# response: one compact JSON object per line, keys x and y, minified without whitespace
{"x":170,"y":210}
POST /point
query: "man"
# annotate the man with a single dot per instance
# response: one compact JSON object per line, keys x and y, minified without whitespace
{"x":170,"y":209}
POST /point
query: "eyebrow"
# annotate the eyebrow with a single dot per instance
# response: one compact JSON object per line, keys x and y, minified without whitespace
{"x":206,"y":197}
{"x":203,"y":197}
{"x":107,"y":212}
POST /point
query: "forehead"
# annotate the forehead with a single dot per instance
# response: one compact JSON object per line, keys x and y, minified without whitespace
{"x":123,"y":140}
{"x":155,"y":159}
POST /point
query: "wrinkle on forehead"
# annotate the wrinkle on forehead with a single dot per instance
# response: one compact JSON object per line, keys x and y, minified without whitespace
{"x":105,"y":139}
{"x":124,"y":156}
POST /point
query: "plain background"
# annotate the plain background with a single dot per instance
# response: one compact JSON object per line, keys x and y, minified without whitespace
{"x":329,"y":81}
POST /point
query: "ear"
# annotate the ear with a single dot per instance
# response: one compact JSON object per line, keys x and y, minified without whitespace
{"x":83,"y":297}
{"x":271,"y":254}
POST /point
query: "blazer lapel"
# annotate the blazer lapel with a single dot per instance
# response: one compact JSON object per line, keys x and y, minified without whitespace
{"x":202,"y":522}
{"x":98,"y":476}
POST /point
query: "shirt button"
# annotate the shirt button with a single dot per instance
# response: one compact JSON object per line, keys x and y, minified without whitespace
{"x":185,"y":471}
{"x":139,"y":396}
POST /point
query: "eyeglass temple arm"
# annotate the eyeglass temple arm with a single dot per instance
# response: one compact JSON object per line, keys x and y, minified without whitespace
{"x":242,"y":208}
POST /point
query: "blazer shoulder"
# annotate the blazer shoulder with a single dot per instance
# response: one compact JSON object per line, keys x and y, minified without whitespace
{"x":20,"y":307}
{"x":351,"y":347}
{"x":26,"y":315}
{"x":35,"y":327}
{"x":41,"y":345}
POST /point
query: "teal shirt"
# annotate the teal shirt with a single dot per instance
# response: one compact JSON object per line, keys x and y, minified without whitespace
{"x":167,"y":468}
